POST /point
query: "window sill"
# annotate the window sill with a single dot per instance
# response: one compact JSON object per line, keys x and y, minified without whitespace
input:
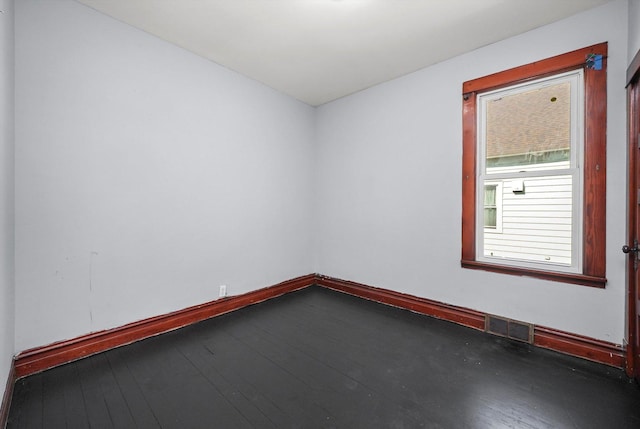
{"x":578,"y":279}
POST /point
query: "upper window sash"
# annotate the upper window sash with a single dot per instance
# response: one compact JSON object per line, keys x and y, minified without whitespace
{"x":576,"y":114}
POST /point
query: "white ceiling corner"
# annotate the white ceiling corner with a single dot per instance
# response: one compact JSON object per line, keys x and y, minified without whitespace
{"x":321,"y":50}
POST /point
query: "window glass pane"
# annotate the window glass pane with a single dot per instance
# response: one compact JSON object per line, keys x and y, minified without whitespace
{"x":490,"y":195}
{"x":529,"y":128}
{"x":528,"y":206}
{"x":490,"y":217}
{"x":536,"y":224}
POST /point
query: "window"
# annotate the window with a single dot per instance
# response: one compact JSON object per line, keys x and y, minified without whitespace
{"x":492,"y":201}
{"x":490,"y":207}
{"x":528,"y":135}
{"x":534,"y":143}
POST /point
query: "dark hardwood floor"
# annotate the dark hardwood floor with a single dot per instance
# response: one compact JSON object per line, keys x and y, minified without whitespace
{"x":321,"y":359}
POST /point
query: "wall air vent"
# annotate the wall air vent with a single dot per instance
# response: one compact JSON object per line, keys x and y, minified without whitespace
{"x":508,"y":328}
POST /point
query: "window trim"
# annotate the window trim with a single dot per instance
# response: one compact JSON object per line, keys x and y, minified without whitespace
{"x":594,"y":163}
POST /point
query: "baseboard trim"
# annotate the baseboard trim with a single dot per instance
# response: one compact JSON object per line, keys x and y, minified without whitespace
{"x":6,"y":399}
{"x":460,"y":315}
{"x":553,"y":339}
{"x":42,"y":358}
{"x":578,"y":345}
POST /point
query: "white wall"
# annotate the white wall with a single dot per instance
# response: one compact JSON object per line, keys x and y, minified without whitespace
{"x":6,"y":191}
{"x":389,"y":185}
{"x":145,"y":176}
{"x":634,"y":28}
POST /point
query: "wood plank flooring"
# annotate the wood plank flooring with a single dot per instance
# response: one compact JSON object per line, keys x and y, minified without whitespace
{"x":321,"y":359}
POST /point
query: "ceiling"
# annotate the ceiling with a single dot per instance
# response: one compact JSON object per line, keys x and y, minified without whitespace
{"x":321,"y":50}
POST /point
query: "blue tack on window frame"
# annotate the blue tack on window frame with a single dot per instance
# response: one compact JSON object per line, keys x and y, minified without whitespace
{"x":594,"y":61}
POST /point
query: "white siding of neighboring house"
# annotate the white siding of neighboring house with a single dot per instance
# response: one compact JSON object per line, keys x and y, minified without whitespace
{"x":536,"y":224}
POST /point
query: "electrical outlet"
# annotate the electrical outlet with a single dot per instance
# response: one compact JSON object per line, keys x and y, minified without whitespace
{"x":223,"y":291}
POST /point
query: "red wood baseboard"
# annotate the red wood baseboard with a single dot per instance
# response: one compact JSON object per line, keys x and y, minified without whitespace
{"x":41,"y":358}
{"x":6,"y":399}
{"x":553,"y":339}
{"x":580,"y":346}
{"x":460,"y":315}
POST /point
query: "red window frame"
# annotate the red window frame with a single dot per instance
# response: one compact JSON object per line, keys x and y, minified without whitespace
{"x":594,"y":166}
